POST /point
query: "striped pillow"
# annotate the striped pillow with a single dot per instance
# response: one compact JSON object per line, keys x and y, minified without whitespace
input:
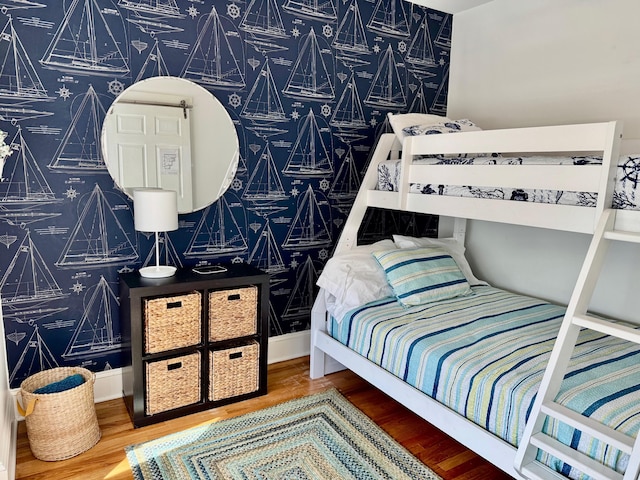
{"x":422,"y":275}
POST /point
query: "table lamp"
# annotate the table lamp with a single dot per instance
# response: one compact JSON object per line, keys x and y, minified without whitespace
{"x":155,"y":210}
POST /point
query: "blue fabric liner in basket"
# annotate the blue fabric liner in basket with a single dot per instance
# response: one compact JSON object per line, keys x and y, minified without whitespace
{"x":67,"y":383}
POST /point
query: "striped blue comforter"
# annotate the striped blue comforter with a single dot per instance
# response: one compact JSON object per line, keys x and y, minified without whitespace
{"x":483,"y":356}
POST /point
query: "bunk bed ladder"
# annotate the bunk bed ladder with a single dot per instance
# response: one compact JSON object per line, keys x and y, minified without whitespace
{"x":577,"y":318}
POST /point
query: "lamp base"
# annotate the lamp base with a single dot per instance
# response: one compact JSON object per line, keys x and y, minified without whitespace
{"x":157,"y":271}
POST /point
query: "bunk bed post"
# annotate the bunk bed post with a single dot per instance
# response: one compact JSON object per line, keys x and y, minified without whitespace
{"x":388,"y":146}
{"x":610,"y":158}
{"x":318,"y":324}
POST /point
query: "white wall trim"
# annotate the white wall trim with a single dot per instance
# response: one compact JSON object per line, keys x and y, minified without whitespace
{"x":108,"y":384}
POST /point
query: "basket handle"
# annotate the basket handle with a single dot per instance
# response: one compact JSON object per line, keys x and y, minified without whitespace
{"x":30,"y":407}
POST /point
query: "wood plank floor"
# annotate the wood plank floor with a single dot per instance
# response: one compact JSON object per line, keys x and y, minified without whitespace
{"x":287,"y":380}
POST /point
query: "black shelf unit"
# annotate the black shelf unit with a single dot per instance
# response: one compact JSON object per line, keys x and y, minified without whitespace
{"x":134,"y":290}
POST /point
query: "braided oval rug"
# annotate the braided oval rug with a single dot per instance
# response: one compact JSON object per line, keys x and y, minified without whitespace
{"x":317,"y":437}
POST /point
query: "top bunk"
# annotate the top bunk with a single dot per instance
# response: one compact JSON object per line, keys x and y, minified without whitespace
{"x":447,"y":163}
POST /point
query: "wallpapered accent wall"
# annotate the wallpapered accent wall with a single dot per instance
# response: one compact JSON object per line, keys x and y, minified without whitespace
{"x":308,"y":84}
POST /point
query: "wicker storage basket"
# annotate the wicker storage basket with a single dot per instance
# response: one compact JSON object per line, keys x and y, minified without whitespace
{"x":233,"y":313}
{"x":234,"y":371}
{"x":172,"y":383}
{"x":64,"y":424}
{"x":172,"y":322}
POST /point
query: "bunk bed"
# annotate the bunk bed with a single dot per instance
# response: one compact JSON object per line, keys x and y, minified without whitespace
{"x":341,"y":326}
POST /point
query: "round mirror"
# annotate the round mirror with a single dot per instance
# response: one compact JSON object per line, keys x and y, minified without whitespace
{"x":170,"y":133}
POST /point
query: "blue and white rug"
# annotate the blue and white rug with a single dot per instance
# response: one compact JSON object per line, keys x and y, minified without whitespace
{"x":318,"y":437}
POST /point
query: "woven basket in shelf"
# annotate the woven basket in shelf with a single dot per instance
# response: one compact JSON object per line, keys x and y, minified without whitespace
{"x":64,"y":424}
{"x":172,"y":322}
{"x":172,"y":383}
{"x":234,"y":371}
{"x":233,"y":313}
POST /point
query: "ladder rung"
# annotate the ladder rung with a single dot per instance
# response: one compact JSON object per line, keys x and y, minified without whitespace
{"x":589,"y":426}
{"x":607,"y":327}
{"x":574,"y":458}
{"x":537,"y":471}
{"x":622,"y":236}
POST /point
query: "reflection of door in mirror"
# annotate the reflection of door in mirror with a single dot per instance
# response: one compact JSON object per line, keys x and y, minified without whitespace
{"x":151,"y":148}
{"x":172,"y":133}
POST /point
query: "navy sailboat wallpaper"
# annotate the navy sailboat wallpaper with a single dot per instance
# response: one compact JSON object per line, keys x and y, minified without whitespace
{"x":308,"y":85}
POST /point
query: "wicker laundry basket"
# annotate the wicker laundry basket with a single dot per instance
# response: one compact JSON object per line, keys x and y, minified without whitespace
{"x":59,"y":425}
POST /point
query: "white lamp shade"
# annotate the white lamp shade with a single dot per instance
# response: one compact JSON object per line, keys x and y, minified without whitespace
{"x":155,"y":210}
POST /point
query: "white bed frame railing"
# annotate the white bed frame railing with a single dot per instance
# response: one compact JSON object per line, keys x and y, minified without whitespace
{"x":328,"y":355}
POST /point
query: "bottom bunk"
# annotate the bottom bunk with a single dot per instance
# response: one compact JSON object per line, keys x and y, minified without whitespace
{"x":470,"y":360}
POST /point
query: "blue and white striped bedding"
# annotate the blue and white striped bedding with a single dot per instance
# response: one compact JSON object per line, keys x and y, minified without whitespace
{"x":483,"y":355}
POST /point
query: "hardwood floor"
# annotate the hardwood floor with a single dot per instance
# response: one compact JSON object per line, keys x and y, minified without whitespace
{"x":287,"y":380}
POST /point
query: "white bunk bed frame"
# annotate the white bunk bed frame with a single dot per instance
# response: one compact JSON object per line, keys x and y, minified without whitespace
{"x":329,"y":355}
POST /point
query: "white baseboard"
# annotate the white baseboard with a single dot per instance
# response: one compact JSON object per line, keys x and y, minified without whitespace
{"x":283,"y":347}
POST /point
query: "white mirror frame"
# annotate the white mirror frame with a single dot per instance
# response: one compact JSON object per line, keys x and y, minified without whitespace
{"x":209,"y":156}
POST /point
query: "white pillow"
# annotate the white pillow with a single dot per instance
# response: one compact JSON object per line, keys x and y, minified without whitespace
{"x":400,"y":121}
{"x":451,"y":245}
{"x":355,"y":278}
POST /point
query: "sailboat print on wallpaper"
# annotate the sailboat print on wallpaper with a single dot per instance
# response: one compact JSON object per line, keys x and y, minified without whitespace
{"x":310,"y":155}
{"x":443,"y":38}
{"x":156,"y":8}
{"x":264,"y":184}
{"x":84,"y":43}
{"x":263,"y":23}
{"x":348,"y":112}
{"x":310,"y":78}
{"x":315,"y":9}
{"x":262,"y":18}
{"x":351,"y":36}
{"x":20,"y":84}
{"x":28,"y":283}
{"x":35,"y":357}
{"x":154,"y":65}
{"x":309,"y":228}
{"x":346,"y":185}
{"x":301,"y":298}
{"x":419,"y":104}
{"x":218,"y":232}
{"x":23,"y":188}
{"x":439,"y":105}
{"x":263,"y":103}
{"x":420,"y":52}
{"x":94,"y":334}
{"x":6,"y":5}
{"x":387,"y":89}
{"x":266,"y":254}
{"x":150,"y":16}
{"x":390,"y":18}
{"x":98,"y":238}
{"x":19,"y":81}
{"x":212,"y":61}
{"x":168,"y":253}
{"x":80,"y":150}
